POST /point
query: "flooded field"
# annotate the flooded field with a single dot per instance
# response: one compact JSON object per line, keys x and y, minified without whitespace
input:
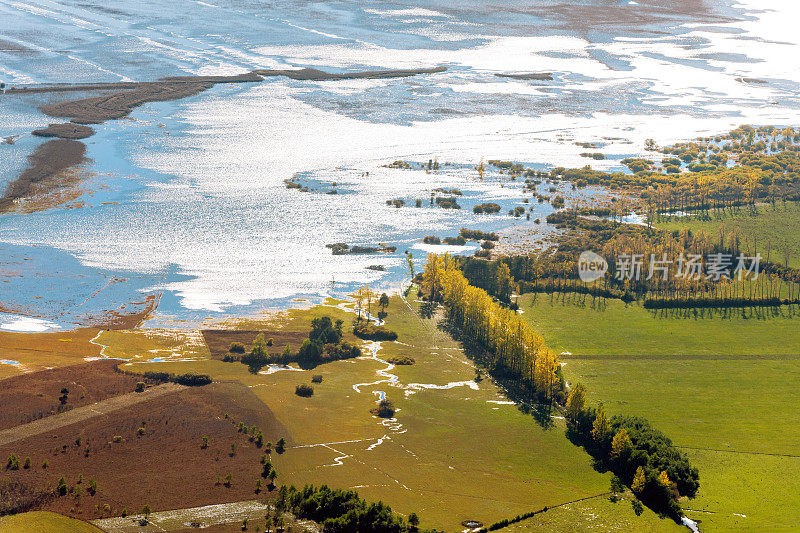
{"x":187,"y":200}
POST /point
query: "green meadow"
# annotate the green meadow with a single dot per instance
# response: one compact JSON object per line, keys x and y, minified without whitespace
{"x":773,"y":229}
{"x":581,"y":325}
{"x":724,"y":388}
{"x":456,"y":450}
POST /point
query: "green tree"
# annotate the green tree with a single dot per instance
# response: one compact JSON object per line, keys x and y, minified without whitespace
{"x":638,"y":508}
{"x":413,"y":521}
{"x":62,"y":486}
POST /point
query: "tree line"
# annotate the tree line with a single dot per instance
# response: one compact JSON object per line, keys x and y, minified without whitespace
{"x":514,"y":348}
{"x":640,"y":455}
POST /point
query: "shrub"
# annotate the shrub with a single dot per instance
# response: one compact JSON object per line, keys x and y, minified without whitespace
{"x":192,"y":380}
{"x":455,"y":241}
{"x":139,"y":387}
{"x":316,"y":378}
{"x":304,"y":390}
{"x":431,"y":239}
{"x":401,"y":360}
{"x":368,"y":331}
{"x":385,"y":409}
{"x":487,"y":208}
{"x":236,"y":347}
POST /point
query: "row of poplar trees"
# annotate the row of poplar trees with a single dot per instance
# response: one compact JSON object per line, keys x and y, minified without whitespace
{"x":512,"y":345}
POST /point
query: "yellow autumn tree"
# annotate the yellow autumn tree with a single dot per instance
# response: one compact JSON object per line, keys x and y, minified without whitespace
{"x":575,"y":402}
{"x":639,"y":480}
{"x":600,"y":427}
{"x":620,"y":444}
{"x":510,"y":342}
{"x":663,"y":478}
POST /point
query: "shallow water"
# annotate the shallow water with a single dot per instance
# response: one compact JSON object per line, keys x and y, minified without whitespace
{"x":188,"y":197}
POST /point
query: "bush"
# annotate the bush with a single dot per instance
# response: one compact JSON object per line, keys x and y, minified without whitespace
{"x":455,"y":241}
{"x":478,"y":235}
{"x":401,"y":360}
{"x":236,"y":347}
{"x":368,"y":331}
{"x":385,"y":409}
{"x":316,"y":378}
{"x":431,"y":239}
{"x":139,"y":387}
{"x":310,"y":354}
{"x":192,"y":380}
{"x":487,"y":208}
{"x":306,"y":391}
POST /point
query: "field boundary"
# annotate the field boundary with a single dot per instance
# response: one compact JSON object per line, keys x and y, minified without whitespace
{"x":79,"y":414}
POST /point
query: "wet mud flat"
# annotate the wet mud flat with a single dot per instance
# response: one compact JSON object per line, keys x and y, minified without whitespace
{"x":44,"y":164}
{"x":118,"y":101}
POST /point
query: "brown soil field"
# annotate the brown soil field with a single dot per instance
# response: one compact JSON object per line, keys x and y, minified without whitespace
{"x":47,"y":160}
{"x":51,"y":349}
{"x":149,"y":454}
{"x":48,"y":424}
{"x":219,"y":340}
{"x":35,"y":395}
{"x":67,"y":130}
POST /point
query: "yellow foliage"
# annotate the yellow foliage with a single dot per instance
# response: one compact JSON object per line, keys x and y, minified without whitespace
{"x":637,"y":485}
{"x":509,"y":340}
{"x":620,"y":444}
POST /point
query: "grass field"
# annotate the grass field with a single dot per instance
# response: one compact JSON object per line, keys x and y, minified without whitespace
{"x":44,"y":522}
{"x":571,"y":323}
{"x":777,"y":227}
{"x":712,"y":384}
{"x":36,"y":351}
{"x":456,"y":452}
{"x":735,"y":418}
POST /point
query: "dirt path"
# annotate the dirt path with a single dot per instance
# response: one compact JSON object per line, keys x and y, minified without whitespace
{"x":79,"y":414}
{"x":206,"y":516}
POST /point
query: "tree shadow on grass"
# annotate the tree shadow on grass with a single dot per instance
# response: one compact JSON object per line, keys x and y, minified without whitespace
{"x":525,"y":399}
